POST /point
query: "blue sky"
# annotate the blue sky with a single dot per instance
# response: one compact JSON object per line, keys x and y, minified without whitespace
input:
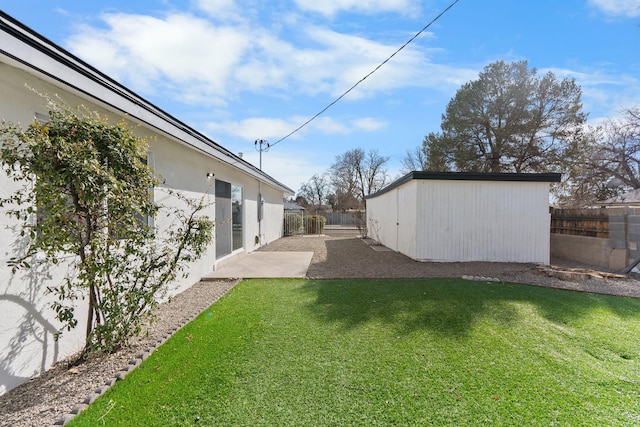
{"x":241,"y":70}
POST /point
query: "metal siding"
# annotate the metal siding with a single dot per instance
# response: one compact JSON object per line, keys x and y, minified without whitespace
{"x":391,"y":218}
{"x":407,"y":218}
{"x":380,"y":220}
{"x":483,"y":221}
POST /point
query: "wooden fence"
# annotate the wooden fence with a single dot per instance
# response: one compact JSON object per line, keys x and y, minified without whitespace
{"x":580,"y":222}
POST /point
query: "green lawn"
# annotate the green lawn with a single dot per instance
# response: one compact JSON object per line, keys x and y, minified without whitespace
{"x":390,"y":352}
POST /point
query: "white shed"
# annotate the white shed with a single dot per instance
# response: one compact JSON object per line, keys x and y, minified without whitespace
{"x":457,"y":216}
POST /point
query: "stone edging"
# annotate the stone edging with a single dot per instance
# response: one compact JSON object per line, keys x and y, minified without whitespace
{"x":121,"y":374}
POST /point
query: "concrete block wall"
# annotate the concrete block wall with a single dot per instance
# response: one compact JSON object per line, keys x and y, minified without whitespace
{"x":592,"y":251}
{"x":633,"y":236}
{"x":613,"y":253}
{"x":618,"y":230}
{"x":624,"y":232}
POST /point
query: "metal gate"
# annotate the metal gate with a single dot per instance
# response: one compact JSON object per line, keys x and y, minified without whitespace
{"x":334,"y":224}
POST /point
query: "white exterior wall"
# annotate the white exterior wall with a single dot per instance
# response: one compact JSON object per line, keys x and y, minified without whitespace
{"x":391,"y":218}
{"x":407,"y":217}
{"x":381,"y":219}
{"x":27,"y":324}
{"x":483,"y":221}
{"x":273,"y":221}
{"x":465,"y":220}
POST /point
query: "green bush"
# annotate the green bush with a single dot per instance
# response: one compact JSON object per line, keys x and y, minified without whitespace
{"x":314,"y":224}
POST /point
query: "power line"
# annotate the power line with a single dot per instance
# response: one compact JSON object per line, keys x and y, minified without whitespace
{"x":365,"y":77}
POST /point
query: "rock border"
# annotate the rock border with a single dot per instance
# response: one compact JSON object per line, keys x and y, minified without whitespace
{"x":133,"y":363}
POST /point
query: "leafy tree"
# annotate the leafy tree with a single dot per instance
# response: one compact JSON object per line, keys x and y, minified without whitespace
{"x":356,"y":174}
{"x":87,"y":183}
{"x":509,"y":120}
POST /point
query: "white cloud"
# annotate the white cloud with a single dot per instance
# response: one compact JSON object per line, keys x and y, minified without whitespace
{"x":329,"y":126}
{"x":333,"y":62}
{"x":331,"y":7}
{"x":369,"y":124}
{"x":349,"y":58}
{"x":218,"y":8}
{"x":179,"y":51}
{"x":629,"y":8}
{"x":604,"y":92}
{"x":62,"y":11}
{"x":191,"y":59}
{"x":270,"y":128}
{"x":256,"y":127}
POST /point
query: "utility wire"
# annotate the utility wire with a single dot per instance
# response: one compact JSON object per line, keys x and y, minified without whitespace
{"x":365,"y":77}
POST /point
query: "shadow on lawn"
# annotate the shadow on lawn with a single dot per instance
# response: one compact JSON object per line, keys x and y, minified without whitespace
{"x":451,"y":307}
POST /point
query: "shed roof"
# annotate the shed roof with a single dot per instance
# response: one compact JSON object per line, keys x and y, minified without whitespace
{"x":289,"y":206}
{"x":23,"y":48}
{"x":469,"y":176}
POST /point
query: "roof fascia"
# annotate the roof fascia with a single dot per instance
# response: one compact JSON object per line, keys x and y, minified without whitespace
{"x":469,"y":176}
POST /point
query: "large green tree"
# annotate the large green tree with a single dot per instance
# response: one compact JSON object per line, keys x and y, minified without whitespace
{"x":508,"y":120}
{"x":86,"y":193}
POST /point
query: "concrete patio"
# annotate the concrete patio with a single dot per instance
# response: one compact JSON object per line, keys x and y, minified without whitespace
{"x":260,"y":264}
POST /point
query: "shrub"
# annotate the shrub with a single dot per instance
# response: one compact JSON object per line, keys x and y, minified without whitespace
{"x":314,"y":224}
{"x":292,"y":223}
{"x":87,"y":180}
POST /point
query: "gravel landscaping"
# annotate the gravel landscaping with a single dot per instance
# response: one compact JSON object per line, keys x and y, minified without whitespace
{"x":347,"y":258}
{"x":51,"y":397}
{"x":47,"y":399}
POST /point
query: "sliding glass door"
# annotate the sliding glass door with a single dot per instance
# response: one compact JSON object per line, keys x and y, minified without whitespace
{"x":228,"y":229}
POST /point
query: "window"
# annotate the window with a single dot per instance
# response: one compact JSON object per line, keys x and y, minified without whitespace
{"x":147,"y":220}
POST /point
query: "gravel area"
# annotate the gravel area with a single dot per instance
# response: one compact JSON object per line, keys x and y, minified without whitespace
{"x":347,"y":258}
{"x":46,"y":399}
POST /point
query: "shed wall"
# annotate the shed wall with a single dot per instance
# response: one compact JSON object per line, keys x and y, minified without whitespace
{"x":465,"y":220}
{"x":382,"y":218}
{"x":408,"y":217}
{"x":483,"y":221}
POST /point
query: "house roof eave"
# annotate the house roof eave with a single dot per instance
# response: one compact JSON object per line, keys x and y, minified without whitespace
{"x":28,"y":50}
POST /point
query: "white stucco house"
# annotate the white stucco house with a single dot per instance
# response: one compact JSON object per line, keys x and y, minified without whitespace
{"x":455,"y":216}
{"x":248,"y":204}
